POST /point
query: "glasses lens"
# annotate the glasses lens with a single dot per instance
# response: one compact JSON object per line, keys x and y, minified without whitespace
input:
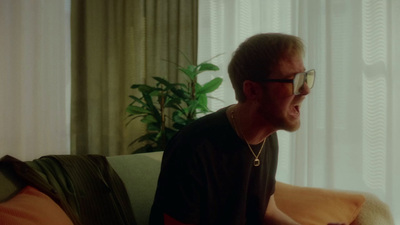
{"x":298,"y":82}
{"x":301,"y":78}
{"x":310,"y":78}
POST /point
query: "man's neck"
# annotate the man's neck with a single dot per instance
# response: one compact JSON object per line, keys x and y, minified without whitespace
{"x":248,"y":124}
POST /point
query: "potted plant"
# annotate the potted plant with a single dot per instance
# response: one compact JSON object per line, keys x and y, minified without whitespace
{"x":167,"y":107}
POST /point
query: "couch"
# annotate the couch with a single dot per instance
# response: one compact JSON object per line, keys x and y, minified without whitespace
{"x":139,"y":173}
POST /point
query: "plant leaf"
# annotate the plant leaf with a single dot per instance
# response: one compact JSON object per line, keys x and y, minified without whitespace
{"x":190,"y":71}
{"x":209,"y":86}
{"x":207,"y":67}
{"x":172,"y":102}
{"x":155,"y":93}
{"x":132,"y":109}
{"x":153,"y":127}
{"x":149,"y":119}
{"x":163,"y":81}
{"x":134,"y":86}
{"x":177,"y":117}
{"x":179,"y":93}
{"x":136,"y":99}
{"x":149,"y":101}
{"x":146,"y":89}
{"x":202,"y":103}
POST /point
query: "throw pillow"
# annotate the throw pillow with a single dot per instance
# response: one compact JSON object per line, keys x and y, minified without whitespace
{"x":316,"y":206}
{"x":32,"y":207}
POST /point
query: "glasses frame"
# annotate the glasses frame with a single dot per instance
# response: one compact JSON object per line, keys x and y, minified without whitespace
{"x":306,"y":76}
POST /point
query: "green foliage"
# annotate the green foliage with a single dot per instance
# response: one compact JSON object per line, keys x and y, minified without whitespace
{"x":184,"y":101}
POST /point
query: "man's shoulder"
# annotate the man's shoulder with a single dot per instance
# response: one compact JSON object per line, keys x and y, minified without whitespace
{"x":208,"y":123}
{"x":208,"y":129}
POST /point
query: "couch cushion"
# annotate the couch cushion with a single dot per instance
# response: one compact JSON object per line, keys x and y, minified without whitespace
{"x":31,"y":207}
{"x":315,"y":206}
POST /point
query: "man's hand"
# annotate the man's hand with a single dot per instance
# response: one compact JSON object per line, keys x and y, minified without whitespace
{"x":275,"y":216}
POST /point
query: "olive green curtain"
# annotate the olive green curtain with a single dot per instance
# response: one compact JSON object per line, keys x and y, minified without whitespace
{"x":116,"y":43}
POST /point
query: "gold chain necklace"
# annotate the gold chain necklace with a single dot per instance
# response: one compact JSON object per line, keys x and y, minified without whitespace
{"x":256,"y":160}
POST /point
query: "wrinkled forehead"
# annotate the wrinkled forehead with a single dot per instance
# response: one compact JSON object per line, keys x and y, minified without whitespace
{"x":291,"y":64}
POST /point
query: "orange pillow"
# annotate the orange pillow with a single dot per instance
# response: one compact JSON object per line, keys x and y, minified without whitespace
{"x":316,"y":206}
{"x":31,"y":207}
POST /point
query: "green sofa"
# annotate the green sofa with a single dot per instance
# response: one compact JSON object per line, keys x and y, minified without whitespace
{"x":139,"y":174}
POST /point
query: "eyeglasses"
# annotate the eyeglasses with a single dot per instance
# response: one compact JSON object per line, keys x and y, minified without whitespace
{"x":298,"y":81}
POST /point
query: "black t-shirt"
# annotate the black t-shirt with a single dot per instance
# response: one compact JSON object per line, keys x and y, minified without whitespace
{"x":208,"y":176}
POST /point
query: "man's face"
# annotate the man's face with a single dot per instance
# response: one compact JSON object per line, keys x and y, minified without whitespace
{"x":278,"y":106}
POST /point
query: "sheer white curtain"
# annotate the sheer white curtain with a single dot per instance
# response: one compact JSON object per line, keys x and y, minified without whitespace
{"x":34,"y":78}
{"x":350,"y":131}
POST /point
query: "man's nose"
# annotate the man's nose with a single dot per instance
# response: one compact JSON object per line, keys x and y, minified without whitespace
{"x":304,"y":90}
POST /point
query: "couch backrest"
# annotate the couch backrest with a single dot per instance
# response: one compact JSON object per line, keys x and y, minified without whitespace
{"x":140,"y":173}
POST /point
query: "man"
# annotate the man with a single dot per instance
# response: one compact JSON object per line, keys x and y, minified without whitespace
{"x":221,"y":168}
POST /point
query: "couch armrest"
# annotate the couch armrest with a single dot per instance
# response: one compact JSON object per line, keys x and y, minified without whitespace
{"x":314,"y":206}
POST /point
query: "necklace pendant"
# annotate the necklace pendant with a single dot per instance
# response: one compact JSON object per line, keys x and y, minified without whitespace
{"x":256,"y":162}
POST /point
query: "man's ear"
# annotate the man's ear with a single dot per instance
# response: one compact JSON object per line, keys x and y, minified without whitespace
{"x":251,"y":89}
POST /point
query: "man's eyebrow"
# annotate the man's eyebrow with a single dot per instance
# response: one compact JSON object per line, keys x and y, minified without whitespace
{"x":290,"y":75}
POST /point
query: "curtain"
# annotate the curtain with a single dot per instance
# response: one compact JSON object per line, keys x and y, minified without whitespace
{"x":349,"y":138}
{"x":34,"y":78}
{"x":116,"y":44}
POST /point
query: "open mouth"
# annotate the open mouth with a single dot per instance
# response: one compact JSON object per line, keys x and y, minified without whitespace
{"x":295,"y":111}
{"x":297,"y":108}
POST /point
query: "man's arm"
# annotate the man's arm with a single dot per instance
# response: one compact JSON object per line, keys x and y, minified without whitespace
{"x":275,"y":216}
